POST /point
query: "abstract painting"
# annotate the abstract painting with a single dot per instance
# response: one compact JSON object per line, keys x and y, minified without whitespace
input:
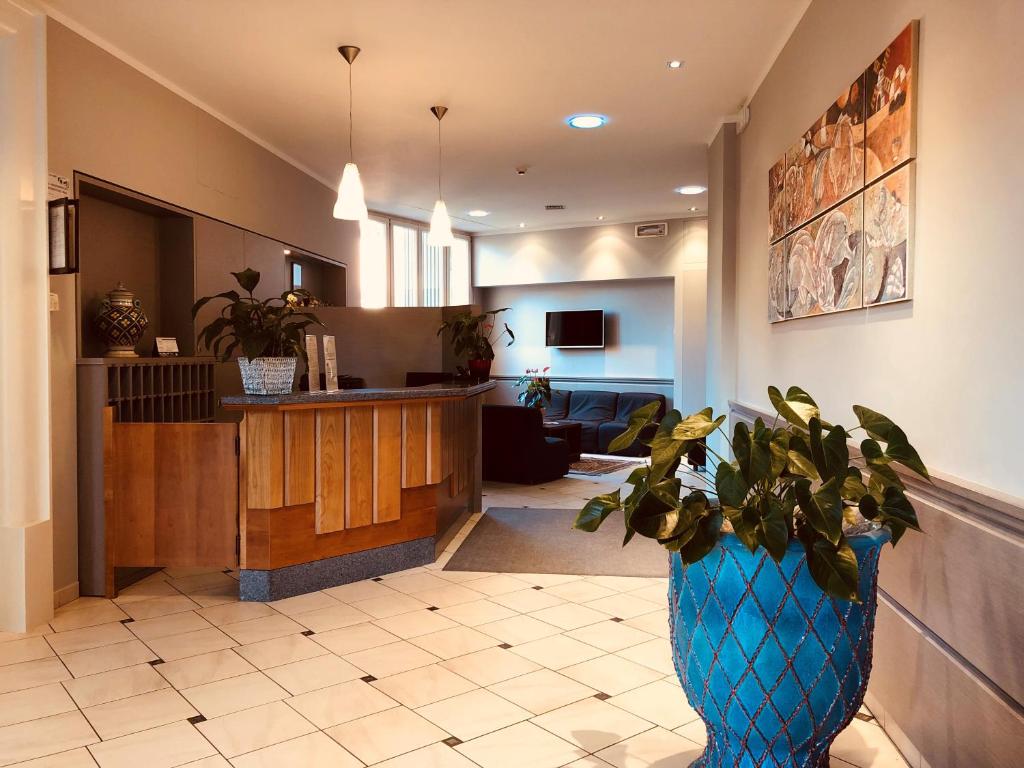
{"x":776,"y":202}
{"x":824,"y":262}
{"x":777,"y":281}
{"x":887,"y":234}
{"x":890,"y":87}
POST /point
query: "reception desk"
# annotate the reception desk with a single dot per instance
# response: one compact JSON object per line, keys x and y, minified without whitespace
{"x":338,"y":487}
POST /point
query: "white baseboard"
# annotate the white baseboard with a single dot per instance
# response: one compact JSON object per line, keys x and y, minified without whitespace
{"x":65,"y":595}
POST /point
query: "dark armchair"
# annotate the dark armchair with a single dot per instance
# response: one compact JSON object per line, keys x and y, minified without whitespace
{"x":515,"y":449}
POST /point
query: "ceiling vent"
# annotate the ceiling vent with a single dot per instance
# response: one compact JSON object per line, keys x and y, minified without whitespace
{"x":554,"y":207}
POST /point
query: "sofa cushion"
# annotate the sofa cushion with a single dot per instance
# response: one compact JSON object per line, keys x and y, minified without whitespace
{"x":558,"y":408}
{"x":592,"y":405}
{"x":631,"y":401}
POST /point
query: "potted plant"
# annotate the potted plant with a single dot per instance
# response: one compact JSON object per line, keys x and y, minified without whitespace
{"x":269,"y":333}
{"x":537,"y":392}
{"x":773,"y":569}
{"x":471,"y":337}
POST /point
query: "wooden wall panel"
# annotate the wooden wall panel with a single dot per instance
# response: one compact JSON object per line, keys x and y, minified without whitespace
{"x":330,"y":470}
{"x":414,"y":445}
{"x":265,"y":459}
{"x":359,"y":470}
{"x":435,"y":436}
{"x":387,"y":463}
{"x":299,"y":457}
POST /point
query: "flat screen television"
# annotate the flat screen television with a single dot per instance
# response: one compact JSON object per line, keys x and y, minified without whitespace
{"x":578,"y":328}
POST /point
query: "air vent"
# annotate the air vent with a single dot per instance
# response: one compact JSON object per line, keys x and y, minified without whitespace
{"x":554,"y":207}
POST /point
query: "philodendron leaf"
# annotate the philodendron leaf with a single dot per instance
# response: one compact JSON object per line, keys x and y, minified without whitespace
{"x":833,"y":566}
{"x":897,"y":513}
{"x":779,"y":450}
{"x":836,"y":452}
{"x":697,"y":425}
{"x":744,"y":521}
{"x":853,"y":486}
{"x":729,"y":484}
{"x":654,"y":518}
{"x":799,"y":455}
{"x":248,"y":279}
{"x":773,"y":529}
{"x":741,"y":443}
{"x":822,"y":509}
{"x":797,"y":407}
{"x":705,"y":535}
{"x":665,"y":449}
{"x":596,"y":510}
{"x":897,"y":448}
{"x":638,"y":419}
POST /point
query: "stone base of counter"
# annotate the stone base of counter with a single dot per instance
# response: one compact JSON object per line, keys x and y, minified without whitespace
{"x":292,"y":580}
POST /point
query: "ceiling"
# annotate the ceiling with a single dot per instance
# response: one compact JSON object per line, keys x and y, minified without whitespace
{"x":510,"y":73}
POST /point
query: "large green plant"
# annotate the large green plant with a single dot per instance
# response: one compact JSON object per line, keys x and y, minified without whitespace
{"x":793,"y":480}
{"x":537,"y":392}
{"x":274,"y":327}
{"x":472,"y":336}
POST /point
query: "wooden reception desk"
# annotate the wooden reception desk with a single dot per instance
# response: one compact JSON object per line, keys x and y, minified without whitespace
{"x":348,"y":485}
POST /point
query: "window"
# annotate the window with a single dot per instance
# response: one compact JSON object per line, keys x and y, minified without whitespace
{"x":404,"y":266}
{"x":433,"y":273}
{"x":458,"y":272}
{"x":373,"y":263}
{"x":296,"y":275}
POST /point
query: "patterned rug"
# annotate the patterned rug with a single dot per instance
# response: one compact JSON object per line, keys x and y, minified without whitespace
{"x":589,"y":466}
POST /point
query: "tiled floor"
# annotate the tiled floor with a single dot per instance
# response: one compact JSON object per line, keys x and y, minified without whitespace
{"x":422,"y":669}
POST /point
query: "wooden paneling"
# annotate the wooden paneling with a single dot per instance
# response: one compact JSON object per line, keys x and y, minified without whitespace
{"x":330,"y":470}
{"x":387,"y":463}
{"x":414,"y":445}
{"x":174,"y":494}
{"x":299,"y":457}
{"x":265,"y":459}
{"x":359,"y":468}
{"x":435,"y":436}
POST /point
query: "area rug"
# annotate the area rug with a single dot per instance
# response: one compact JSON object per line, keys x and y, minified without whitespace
{"x":588,"y":466}
{"x":543,"y":541}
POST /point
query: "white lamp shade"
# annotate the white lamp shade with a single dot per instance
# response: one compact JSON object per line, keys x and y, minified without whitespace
{"x":351,"y":204}
{"x":440,"y":226}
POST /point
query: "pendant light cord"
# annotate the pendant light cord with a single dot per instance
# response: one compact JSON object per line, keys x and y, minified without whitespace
{"x":439,"y":197}
{"x":351,"y":154}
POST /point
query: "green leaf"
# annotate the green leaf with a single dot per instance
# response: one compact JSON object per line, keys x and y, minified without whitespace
{"x":703,"y":538}
{"x":729,"y":484}
{"x":823,"y":509}
{"x":596,"y":510}
{"x":800,"y":461}
{"x":230,"y":295}
{"x":836,"y":452}
{"x":898,"y":447}
{"x":697,"y":425}
{"x":773,"y":529}
{"x":741,"y":444}
{"x":832,"y":566}
{"x":853,"y":487}
{"x":248,"y":279}
{"x":745,"y":521}
{"x":897,"y":513}
{"x":779,"y":453}
{"x":665,"y":449}
{"x":654,"y":518}
{"x":638,"y":419}
{"x":797,"y":407}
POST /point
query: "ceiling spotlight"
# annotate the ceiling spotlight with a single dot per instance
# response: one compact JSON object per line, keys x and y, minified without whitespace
{"x":600,"y":218}
{"x":674,"y":64}
{"x":521,"y":170}
{"x":694,"y":209}
{"x":522,"y":224}
{"x":477,"y":212}
{"x":691,"y":189}
{"x":287,"y":251}
{"x":586,"y":121}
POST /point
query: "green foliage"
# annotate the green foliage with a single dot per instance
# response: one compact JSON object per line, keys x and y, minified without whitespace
{"x":471,"y":335}
{"x":537,"y":392}
{"x":793,"y":481}
{"x":274,"y":327}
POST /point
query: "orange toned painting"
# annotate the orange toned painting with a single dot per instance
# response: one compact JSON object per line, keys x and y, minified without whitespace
{"x":776,"y":211}
{"x":777,"y":281}
{"x":890,"y":88}
{"x":887,"y":234}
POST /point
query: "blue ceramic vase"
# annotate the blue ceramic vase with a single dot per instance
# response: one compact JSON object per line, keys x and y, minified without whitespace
{"x":775,"y":668}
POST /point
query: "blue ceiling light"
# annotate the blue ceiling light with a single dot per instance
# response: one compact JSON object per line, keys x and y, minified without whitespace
{"x":586,"y":121}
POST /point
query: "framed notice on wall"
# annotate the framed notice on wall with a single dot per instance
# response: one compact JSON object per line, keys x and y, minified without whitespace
{"x":330,"y":365}
{"x":313,"y":363}
{"x":63,"y":226}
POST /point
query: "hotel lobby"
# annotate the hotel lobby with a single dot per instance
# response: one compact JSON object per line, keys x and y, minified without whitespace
{"x":402,"y":384}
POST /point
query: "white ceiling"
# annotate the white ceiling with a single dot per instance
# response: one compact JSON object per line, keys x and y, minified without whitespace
{"x":510,"y":71}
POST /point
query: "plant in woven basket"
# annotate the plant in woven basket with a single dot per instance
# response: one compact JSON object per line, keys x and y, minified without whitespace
{"x":472,"y":336}
{"x":536,"y":388}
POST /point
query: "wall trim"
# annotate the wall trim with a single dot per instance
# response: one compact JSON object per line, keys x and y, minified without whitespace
{"x":593,"y":379}
{"x":65,"y":595}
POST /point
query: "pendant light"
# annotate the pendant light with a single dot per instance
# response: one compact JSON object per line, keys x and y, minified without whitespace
{"x":440,"y":224}
{"x":351,"y":203}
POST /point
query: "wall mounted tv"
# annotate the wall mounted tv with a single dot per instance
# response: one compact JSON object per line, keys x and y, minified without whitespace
{"x":578,"y":329}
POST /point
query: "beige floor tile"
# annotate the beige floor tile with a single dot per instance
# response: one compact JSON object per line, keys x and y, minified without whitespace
{"x":359,"y":590}
{"x":654,"y":747}
{"x":73,"y":758}
{"x":204,"y":581}
{"x":116,"y":684}
{"x":611,"y":674}
{"x":386,"y":734}
{"x":473,"y":714}
{"x":417,"y":582}
{"x":435,"y":756}
{"x":215,"y":761}
{"x":280,"y":650}
{"x":205,"y":668}
{"x":653,"y":623}
{"x":623,"y":583}
{"x":46,"y":736}
{"x":165,"y":626}
{"x":523,"y":744}
{"x":76,"y":615}
{"x":625,"y":606}
{"x":310,"y":751}
{"x":569,"y":616}
{"x":220,"y":595}
{"x":865,"y":744}
{"x":234,"y":694}
{"x":415,"y":623}
{"x":183,"y":571}
{"x":389,"y":605}
{"x":656,"y":654}
{"x":498,"y":584}
{"x":28,"y":649}
{"x":461,"y":577}
{"x":358,"y":637}
{"x":592,"y":724}
{"x":335,"y":617}
{"x":89,"y":637}
{"x":255,"y":728}
{"x":265,"y":628}
{"x":341,"y":703}
{"x":425,"y":685}
{"x":542,"y":691}
{"x":547,"y":579}
{"x":516,"y":630}
{"x":696,"y":732}
{"x":527,"y":600}
{"x":659,"y":702}
{"x":391,"y":659}
{"x":557,"y":651}
{"x":580,"y":591}
{"x":34,"y":703}
{"x":168,"y":746}
{"x":490,"y":666}
{"x":449,"y":595}
{"x":476,"y":613}
{"x":138,"y":713}
{"x":42,"y":629}
{"x":655,"y":593}
{"x":234,"y":612}
{"x":29,"y":674}
{"x":457,"y":641}
{"x":310,"y":674}
{"x":311,"y":601}
{"x":610,"y":636}
{"x":158,"y":606}
{"x":108,"y":657}
{"x":146,"y":589}
{"x":181,"y":646}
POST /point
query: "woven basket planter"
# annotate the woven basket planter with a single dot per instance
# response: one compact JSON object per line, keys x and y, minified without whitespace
{"x":267,"y":375}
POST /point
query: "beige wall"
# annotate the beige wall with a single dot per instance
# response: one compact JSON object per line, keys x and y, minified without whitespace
{"x":948,"y":366}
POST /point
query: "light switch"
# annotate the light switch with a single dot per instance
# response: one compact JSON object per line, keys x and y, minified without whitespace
{"x":54,"y":302}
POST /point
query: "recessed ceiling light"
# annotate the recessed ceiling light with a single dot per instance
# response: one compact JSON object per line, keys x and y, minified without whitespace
{"x":674,"y":64}
{"x":586,"y":121}
{"x":600,"y":218}
{"x":522,"y":224}
{"x":287,"y":251}
{"x":694,"y":209}
{"x":691,"y":189}
{"x":478,"y":212}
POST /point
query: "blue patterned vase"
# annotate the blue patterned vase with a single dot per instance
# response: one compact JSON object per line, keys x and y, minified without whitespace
{"x":775,"y":668}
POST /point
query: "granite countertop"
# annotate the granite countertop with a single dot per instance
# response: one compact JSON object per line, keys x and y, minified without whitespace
{"x":428,"y":391}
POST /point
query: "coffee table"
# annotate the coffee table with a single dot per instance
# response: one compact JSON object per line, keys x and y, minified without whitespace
{"x":570,"y":431}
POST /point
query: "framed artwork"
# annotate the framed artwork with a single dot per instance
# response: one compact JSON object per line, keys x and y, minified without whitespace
{"x":890,"y":85}
{"x":776,"y":201}
{"x":888,"y":230}
{"x":652,"y":230}
{"x":777,"y":281}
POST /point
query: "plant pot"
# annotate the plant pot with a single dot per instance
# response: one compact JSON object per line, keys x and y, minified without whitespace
{"x":267,"y":375}
{"x":774,"y":667}
{"x":480,"y":369}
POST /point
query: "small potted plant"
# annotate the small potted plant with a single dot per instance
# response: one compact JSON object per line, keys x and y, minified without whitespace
{"x":472,"y":336}
{"x":773,"y":569}
{"x":269,"y":333}
{"x":535,"y":388}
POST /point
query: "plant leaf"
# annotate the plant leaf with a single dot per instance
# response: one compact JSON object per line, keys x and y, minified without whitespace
{"x":665,"y":450}
{"x":248,"y":279}
{"x":729,"y":484}
{"x":638,"y":419}
{"x":898,"y":447}
{"x":823,"y":509}
{"x":773,"y":529}
{"x":596,"y":510}
{"x":836,"y":453}
{"x":832,"y":566}
{"x":704,"y":537}
{"x":744,"y":522}
{"x":697,"y":425}
{"x":797,"y":407}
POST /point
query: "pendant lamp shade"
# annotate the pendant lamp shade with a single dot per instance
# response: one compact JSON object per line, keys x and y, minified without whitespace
{"x":440,"y":226}
{"x":351,"y":203}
